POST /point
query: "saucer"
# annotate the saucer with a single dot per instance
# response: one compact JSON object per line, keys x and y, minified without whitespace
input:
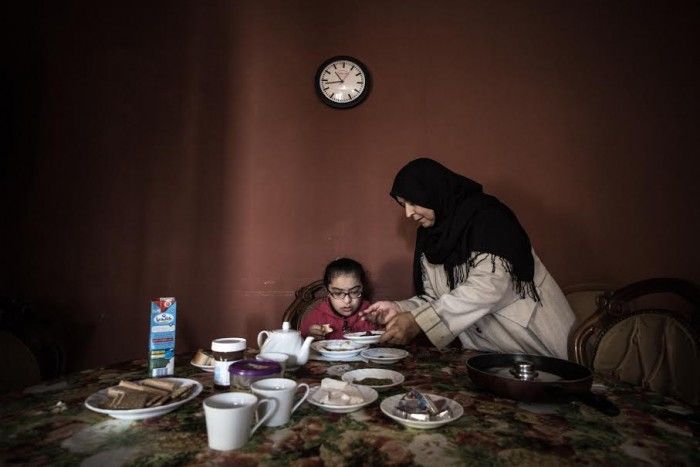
{"x":368,"y":394}
{"x":362,"y":337}
{"x":384,"y":355}
{"x":388,"y":406}
{"x":356,"y":377}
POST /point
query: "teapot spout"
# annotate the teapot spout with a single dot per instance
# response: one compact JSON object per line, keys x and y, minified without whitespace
{"x":303,"y":355}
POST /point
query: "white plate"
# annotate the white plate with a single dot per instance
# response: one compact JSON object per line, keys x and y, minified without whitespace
{"x":358,"y":375}
{"x":389,"y":404}
{"x":93,"y":401}
{"x":207,"y":368}
{"x":384,"y":355}
{"x":369,"y":395}
{"x":338,"y":348}
{"x":362,"y":337}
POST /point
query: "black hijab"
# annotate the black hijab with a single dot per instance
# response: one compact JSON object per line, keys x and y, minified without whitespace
{"x":466,"y":220}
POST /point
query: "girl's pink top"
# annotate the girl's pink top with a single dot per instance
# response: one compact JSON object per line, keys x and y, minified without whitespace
{"x":324,"y":314}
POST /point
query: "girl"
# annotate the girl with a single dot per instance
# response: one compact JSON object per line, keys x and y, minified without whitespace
{"x":346,"y":282}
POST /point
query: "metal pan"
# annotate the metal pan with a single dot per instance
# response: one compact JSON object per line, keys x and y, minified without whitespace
{"x":534,"y":378}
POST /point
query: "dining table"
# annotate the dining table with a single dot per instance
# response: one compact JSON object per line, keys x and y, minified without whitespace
{"x":49,"y":424}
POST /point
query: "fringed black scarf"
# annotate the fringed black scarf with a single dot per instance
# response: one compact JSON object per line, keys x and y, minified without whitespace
{"x":466,"y":221}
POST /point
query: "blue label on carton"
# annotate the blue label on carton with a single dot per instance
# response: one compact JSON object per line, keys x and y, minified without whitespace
{"x":162,"y":338}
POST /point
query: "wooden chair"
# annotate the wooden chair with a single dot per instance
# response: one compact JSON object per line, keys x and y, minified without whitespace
{"x":584,"y":298}
{"x":305,"y":299}
{"x":645,"y":333}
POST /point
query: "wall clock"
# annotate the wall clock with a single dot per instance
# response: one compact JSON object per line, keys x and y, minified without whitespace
{"x":342,"y":82}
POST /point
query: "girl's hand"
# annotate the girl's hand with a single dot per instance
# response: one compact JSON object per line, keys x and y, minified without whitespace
{"x":380,"y":312}
{"x":319,"y":331}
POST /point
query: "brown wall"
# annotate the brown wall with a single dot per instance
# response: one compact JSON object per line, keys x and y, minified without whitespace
{"x":178,"y":148}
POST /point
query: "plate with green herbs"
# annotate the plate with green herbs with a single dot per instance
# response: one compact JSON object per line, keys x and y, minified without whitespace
{"x":375,"y":378}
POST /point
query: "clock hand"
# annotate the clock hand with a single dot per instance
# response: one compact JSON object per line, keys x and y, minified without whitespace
{"x":333,"y":82}
{"x":341,"y":79}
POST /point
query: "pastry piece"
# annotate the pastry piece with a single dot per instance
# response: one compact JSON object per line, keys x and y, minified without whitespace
{"x":125,"y":399}
{"x":202,"y":358}
{"x":142,"y":388}
{"x":327,"y":329}
{"x":163,"y":384}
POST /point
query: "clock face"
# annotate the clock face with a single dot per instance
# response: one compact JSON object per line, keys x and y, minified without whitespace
{"x":342,"y":82}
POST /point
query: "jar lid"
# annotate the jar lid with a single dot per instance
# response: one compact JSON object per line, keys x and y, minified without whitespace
{"x":228,"y":344}
{"x":254,"y":368}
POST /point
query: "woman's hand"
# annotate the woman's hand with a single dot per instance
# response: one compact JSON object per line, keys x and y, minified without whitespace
{"x":401,"y":329}
{"x":318,"y":331}
{"x":380,"y":312}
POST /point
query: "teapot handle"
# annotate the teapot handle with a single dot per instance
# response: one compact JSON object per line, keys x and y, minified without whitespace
{"x":260,"y":338}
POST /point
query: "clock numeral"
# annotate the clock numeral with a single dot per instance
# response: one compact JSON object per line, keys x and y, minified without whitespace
{"x":356,"y":91}
{"x":352,"y":67}
{"x":358,"y":74}
{"x":360,"y":82}
{"x":349,"y":96}
{"x":326,"y":71}
{"x":335,"y":67}
{"x":326,"y":88}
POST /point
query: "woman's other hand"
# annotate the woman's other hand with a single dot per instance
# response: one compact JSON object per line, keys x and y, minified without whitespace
{"x":401,"y":329}
{"x":380,"y":312}
{"x":318,"y":331}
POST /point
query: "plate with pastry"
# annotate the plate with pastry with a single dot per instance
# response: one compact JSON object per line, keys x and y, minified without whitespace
{"x":338,"y":348}
{"x":150,"y":397}
{"x":364,"y":337}
{"x":203,"y":361}
{"x":341,"y":397}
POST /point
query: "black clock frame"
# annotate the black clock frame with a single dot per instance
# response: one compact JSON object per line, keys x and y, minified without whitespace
{"x":343,"y":105}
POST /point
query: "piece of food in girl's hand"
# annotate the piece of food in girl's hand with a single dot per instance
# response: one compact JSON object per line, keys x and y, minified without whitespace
{"x":327,"y":329}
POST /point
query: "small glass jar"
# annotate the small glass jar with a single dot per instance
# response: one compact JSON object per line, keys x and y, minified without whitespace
{"x":226,"y":351}
{"x":246,"y":372}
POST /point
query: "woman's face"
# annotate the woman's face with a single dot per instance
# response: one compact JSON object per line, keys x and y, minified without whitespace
{"x":424,"y":216}
{"x":345,"y":293}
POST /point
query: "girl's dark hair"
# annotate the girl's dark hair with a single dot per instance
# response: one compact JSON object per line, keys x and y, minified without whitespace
{"x":348,"y":266}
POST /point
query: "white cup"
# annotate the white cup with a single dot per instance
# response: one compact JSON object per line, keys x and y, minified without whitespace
{"x":278,"y":357}
{"x":229,"y":418}
{"x":281,"y":390}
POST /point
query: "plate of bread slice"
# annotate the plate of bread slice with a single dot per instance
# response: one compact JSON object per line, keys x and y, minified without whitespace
{"x":150,"y":397}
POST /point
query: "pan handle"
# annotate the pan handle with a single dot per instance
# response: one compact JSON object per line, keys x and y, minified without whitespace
{"x":596,"y":401}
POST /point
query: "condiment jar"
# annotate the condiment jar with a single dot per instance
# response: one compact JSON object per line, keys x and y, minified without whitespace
{"x":246,"y":372}
{"x":225,"y":351}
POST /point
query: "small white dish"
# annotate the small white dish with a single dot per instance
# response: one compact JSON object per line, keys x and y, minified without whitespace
{"x":361,"y":337}
{"x":207,"y":368}
{"x":93,"y":403}
{"x":338,"y":348}
{"x":356,"y":377}
{"x":384,"y":355}
{"x":368,"y":394}
{"x":388,"y":406}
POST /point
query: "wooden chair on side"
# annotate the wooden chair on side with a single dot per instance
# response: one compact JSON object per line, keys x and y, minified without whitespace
{"x":646,"y":333}
{"x":305,"y":299}
{"x":584,"y":299}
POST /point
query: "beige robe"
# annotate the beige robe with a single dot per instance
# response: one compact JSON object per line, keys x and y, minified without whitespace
{"x":487,"y":314}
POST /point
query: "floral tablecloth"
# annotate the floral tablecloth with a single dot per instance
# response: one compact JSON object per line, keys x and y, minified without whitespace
{"x":49,"y":425}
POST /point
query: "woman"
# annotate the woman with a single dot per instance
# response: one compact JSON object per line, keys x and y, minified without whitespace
{"x":475,"y":274}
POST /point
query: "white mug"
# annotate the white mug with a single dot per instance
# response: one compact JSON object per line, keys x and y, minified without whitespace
{"x":229,"y":418}
{"x":278,"y":357}
{"x":281,"y":390}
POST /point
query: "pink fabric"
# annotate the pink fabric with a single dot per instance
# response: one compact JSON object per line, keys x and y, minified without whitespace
{"x":323,"y":314}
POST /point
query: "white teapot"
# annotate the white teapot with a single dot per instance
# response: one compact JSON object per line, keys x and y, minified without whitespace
{"x":286,"y":340}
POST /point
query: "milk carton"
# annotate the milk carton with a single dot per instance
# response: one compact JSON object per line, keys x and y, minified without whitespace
{"x":161,"y":345}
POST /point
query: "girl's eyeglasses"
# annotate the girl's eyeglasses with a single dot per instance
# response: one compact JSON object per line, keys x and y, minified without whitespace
{"x":341,"y":294}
